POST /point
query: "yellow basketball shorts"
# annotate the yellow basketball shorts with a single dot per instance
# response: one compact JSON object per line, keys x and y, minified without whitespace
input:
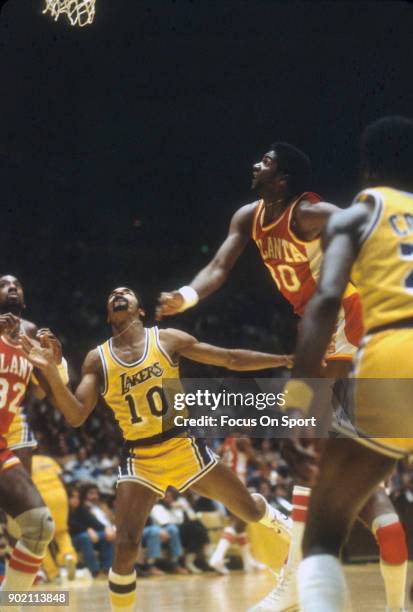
{"x":178,"y":462}
{"x":20,"y":435}
{"x":381,"y":394}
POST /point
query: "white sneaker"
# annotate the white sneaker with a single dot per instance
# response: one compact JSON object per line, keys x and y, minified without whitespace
{"x":283,"y":598}
{"x":274,"y":519}
{"x":254,"y":566}
{"x":219,"y":567}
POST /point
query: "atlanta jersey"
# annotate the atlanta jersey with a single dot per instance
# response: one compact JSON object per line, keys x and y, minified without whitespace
{"x":15,"y":373}
{"x":294,"y":265}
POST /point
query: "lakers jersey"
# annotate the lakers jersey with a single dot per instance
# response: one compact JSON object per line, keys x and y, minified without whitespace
{"x":134,"y":391}
{"x":383,"y":271}
{"x":294,"y":265}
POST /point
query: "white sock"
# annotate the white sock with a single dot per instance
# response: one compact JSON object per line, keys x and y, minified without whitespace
{"x":321,"y":584}
{"x":301,"y":497}
{"x":391,"y":539}
{"x":122,"y":590}
{"x":228,"y":537}
{"x":21,"y":570}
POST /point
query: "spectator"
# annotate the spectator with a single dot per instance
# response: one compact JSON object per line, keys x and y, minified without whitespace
{"x":162,"y":516}
{"x":80,"y":469}
{"x":194,"y":535}
{"x":87,"y":532}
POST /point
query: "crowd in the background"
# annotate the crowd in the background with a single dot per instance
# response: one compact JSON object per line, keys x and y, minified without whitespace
{"x":176,"y":539}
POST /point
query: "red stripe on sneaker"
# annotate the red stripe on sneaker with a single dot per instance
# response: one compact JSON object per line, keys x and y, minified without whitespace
{"x":20,"y":555}
{"x":300,"y":500}
{"x":298,"y":515}
{"x":23,"y":567}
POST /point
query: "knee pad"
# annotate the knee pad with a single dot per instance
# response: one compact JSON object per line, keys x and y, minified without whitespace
{"x":390,"y":538}
{"x":37,"y":529}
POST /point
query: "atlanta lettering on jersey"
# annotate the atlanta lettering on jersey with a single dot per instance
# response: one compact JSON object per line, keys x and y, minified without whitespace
{"x":272,"y":247}
{"x":16,"y":365}
{"x":127,"y":382}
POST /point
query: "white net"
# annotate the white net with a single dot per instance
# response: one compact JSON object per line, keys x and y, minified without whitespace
{"x":78,"y":12}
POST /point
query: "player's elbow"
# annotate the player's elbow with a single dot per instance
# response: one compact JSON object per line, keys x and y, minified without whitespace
{"x":75,"y":420}
{"x":233,"y":360}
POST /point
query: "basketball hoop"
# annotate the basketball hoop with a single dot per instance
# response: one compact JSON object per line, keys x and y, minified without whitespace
{"x":79,"y":12}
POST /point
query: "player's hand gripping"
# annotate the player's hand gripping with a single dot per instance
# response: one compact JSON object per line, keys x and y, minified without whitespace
{"x":54,"y":341}
{"x":9,"y":323}
{"x":169,"y":303}
{"x":40,"y":354}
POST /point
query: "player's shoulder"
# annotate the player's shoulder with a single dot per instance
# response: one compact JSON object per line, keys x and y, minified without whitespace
{"x":175,"y":339}
{"x":30,"y":328}
{"x":245,"y":213}
{"x":171,"y":333}
{"x":352,"y":220}
{"x":92,"y":362}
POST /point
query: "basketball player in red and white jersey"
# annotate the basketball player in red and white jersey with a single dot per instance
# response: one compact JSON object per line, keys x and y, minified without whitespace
{"x":285,"y":223}
{"x":18,"y":495}
{"x":238,"y":455}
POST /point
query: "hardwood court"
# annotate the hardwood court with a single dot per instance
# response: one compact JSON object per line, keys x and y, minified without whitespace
{"x":210,"y":593}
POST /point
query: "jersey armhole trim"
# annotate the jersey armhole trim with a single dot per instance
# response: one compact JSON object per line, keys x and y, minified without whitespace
{"x":161,"y":348}
{"x":257,"y":213}
{"x":105,"y":371}
{"x":376,"y":216}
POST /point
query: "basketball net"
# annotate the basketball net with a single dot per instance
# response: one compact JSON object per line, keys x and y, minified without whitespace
{"x":78,"y":12}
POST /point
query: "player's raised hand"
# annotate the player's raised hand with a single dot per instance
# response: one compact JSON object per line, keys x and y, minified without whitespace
{"x":9,"y":323}
{"x":40,"y":354}
{"x":169,"y":303}
{"x":54,"y":341}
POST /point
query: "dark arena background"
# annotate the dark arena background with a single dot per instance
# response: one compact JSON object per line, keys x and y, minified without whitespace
{"x":125,"y":147}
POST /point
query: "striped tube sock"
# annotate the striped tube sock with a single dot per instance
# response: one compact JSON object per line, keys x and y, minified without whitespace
{"x":301,"y":496}
{"x":393,"y":558}
{"x":122,"y":591}
{"x":21,"y":570}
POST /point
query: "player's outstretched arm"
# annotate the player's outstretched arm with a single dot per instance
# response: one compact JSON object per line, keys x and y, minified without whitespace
{"x":233,"y":359}
{"x":210,"y":278}
{"x":341,"y":240}
{"x":74,"y":407}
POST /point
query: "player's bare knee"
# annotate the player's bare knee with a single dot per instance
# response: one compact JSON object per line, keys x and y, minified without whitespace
{"x":37,"y":529}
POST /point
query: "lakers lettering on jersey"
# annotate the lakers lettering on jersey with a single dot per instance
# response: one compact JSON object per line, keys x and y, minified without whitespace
{"x":134,"y":390}
{"x":294,"y":265}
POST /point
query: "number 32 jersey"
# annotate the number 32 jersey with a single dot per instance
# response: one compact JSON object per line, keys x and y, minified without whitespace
{"x":134,"y":391}
{"x":294,"y":265}
{"x":15,"y":374}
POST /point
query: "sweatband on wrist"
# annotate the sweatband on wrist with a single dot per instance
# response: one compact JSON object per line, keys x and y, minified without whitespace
{"x":63,"y":371}
{"x":190,"y":297}
{"x":298,"y":395}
